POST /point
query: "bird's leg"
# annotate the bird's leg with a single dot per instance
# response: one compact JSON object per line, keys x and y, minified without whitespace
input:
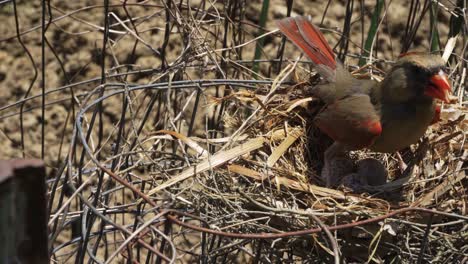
{"x":336,"y":165}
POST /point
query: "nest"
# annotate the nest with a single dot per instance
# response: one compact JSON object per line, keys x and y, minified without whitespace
{"x":259,"y":193}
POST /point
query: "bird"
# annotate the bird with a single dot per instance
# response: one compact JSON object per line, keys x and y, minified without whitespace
{"x":384,"y":116}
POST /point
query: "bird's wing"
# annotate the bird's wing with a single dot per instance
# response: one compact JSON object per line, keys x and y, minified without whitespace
{"x":309,"y":39}
{"x":349,"y":117}
{"x":351,"y":121}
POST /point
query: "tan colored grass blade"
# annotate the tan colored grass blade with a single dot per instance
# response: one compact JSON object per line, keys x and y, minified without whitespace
{"x":219,"y":140}
{"x":303,"y":187}
{"x":190,"y":142}
{"x":279,"y":134}
{"x":213,"y":162}
{"x":299,"y":102}
{"x":283,"y":147}
{"x":449,"y":48}
{"x":246,"y":172}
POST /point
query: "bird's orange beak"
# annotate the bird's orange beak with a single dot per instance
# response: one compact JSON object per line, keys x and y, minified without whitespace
{"x":439,"y":87}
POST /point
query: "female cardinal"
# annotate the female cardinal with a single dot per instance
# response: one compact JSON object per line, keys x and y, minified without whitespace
{"x":381,"y":116}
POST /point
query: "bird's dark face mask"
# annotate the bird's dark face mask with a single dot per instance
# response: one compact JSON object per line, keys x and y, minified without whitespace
{"x":426,"y":75}
{"x":432,"y":82}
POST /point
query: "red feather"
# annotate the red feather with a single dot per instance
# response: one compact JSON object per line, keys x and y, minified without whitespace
{"x":308,"y":38}
{"x":351,"y":121}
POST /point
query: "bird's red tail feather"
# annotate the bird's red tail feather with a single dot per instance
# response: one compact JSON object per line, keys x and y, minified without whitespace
{"x":308,"y":38}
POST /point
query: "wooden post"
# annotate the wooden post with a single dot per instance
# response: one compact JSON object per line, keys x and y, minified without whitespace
{"x":23,"y":226}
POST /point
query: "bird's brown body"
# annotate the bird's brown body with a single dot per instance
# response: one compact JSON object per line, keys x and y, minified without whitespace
{"x":382,"y":116}
{"x":403,"y":121}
